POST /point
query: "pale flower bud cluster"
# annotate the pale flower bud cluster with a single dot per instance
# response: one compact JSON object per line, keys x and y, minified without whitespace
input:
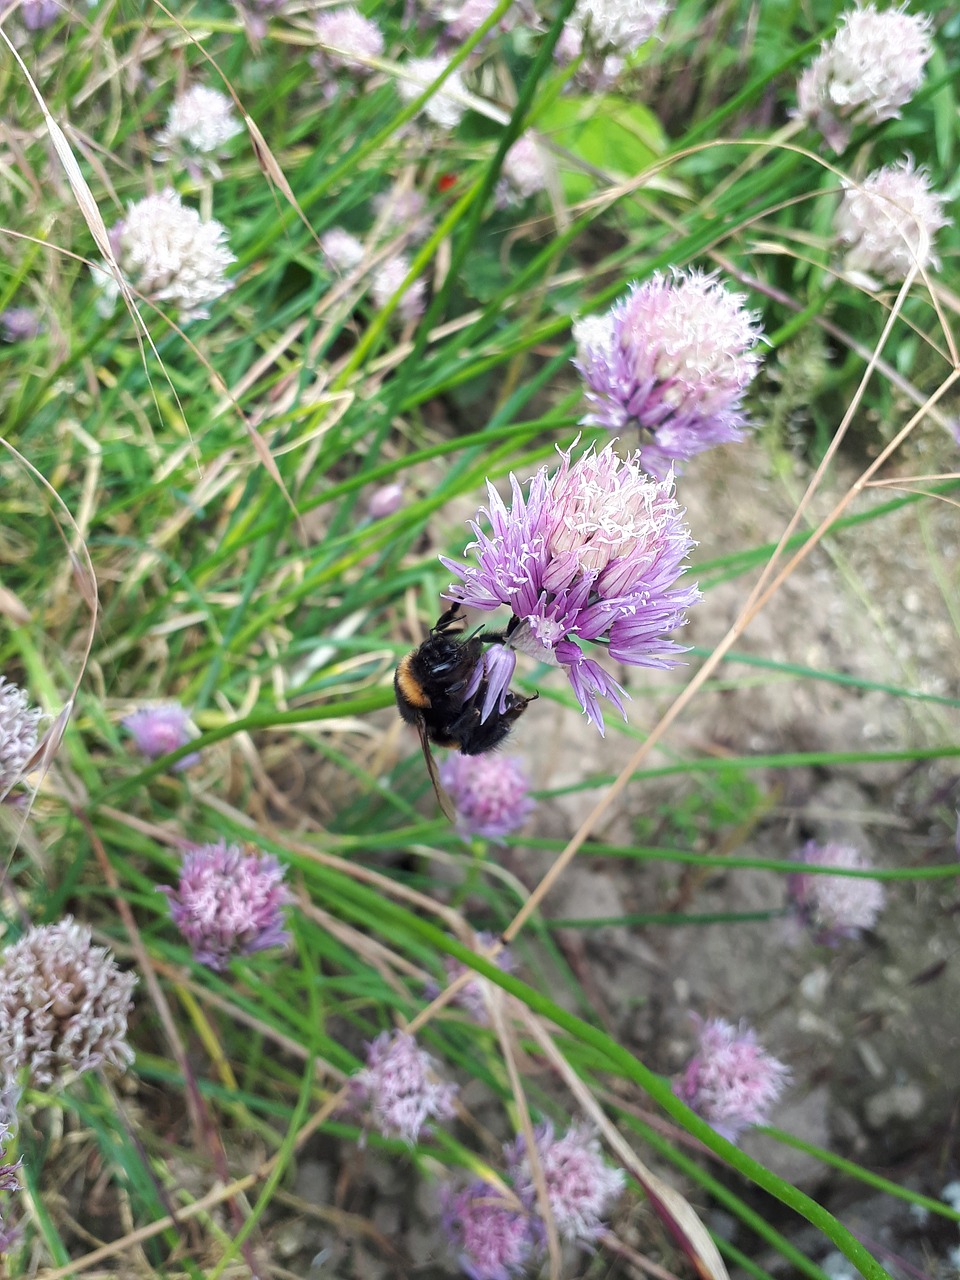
{"x":731,"y":1081}
{"x":444,"y":107}
{"x":387,"y":281}
{"x":523,"y":173}
{"x":200,"y":124}
{"x":888,"y":223}
{"x":603,"y":33}
{"x":168,"y":253}
{"x":490,"y":794}
{"x":870,"y":69}
{"x":831,"y":906}
{"x":18,"y":733}
{"x":64,"y":1004}
{"x":348,"y":38}
{"x":398,"y":1091}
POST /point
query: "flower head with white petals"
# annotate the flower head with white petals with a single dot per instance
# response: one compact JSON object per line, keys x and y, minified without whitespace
{"x":731,"y":1081}
{"x":388,"y":280}
{"x":524,"y":173}
{"x":169,"y":254}
{"x":19,"y":723}
{"x":675,"y":358}
{"x":444,"y":107}
{"x":888,"y":223}
{"x":604,"y":33}
{"x":869,"y":70}
{"x":342,"y":250}
{"x":200,"y":124}
{"x":347,"y":38}
{"x":589,"y":559}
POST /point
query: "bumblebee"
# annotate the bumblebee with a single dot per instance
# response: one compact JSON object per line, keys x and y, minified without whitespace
{"x":430,"y":686}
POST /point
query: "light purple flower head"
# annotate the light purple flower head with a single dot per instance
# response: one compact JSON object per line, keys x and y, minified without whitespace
{"x":156,"y":731}
{"x":398,"y":1091}
{"x":388,"y":280}
{"x":228,"y":904}
{"x":20,"y":324}
{"x":869,"y":70}
{"x":674,"y":357}
{"x":342,"y":250}
{"x":444,"y":107}
{"x":490,"y":794}
{"x":581,"y":1187}
{"x":493,"y":1239}
{"x":835,"y":907}
{"x":385,"y":501}
{"x":36,"y":15}
{"x":591,"y":555}
{"x":403,"y":211}
{"x":9,"y":1182}
{"x":604,"y":33}
{"x":889,"y":221}
{"x":63,"y":1004}
{"x":348,"y":37}
{"x":19,"y":724}
{"x":523,"y":173}
{"x":471,"y":997}
{"x":731,"y":1081}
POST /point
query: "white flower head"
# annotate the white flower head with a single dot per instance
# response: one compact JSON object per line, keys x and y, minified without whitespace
{"x":348,"y":38}
{"x":872,"y":67}
{"x":201,"y":122}
{"x":443,"y":107}
{"x":523,"y":172}
{"x":169,"y":254}
{"x":18,"y":733}
{"x":619,"y":26}
{"x":388,"y":280}
{"x":889,"y":221}
{"x":342,"y":250}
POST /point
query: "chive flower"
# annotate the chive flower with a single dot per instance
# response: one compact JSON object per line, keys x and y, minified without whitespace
{"x":19,"y":724}
{"x":731,"y":1081}
{"x":493,"y":1238}
{"x":869,"y":70}
{"x":444,"y":107}
{"x":347,"y":38}
{"x":673,"y":358}
{"x":156,"y":731}
{"x":581,"y":1187}
{"x":588,"y":561}
{"x":200,"y":124}
{"x":398,"y":1090}
{"x":835,"y":907}
{"x":64,"y":1004}
{"x":888,"y":222}
{"x":490,"y":794}
{"x":228,"y":903}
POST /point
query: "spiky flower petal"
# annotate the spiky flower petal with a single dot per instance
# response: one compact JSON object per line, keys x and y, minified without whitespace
{"x":490,"y":794}
{"x":731,"y":1081}
{"x":398,"y":1091}
{"x":229,"y":904}
{"x":889,"y":222}
{"x":674,"y":357}
{"x":835,"y":907}
{"x":156,"y":731}
{"x":443,"y":107}
{"x":870,"y":69}
{"x":492,"y":1237}
{"x":591,"y":554}
{"x":169,"y":254}
{"x":18,"y":733}
{"x":200,"y":122}
{"x":581,"y":1186}
{"x":63,"y":1004}
{"x":348,"y":37}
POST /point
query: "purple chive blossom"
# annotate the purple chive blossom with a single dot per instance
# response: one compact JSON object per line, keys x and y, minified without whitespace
{"x":493,"y":1238}
{"x":19,"y":324}
{"x":674,"y":357}
{"x":398,"y":1090}
{"x":156,"y":731}
{"x":835,"y":907}
{"x":523,"y":173}
{"x":229,"y":904}
{"x":385,"y":501}
{"x":581,"y":1187}
{"x":489,"y":792}
{"x":19,"y":723}
{"x":869,"y":70}
{"x":888,"y":222}
{"x":401,"y":211}
{"x":63,"y":1004}
{"x":731,"y":1081}
{"x":10,"y":1182}
{"x":471,"y":997}
{"x":36,"y":14}
{"x":592,"y":554}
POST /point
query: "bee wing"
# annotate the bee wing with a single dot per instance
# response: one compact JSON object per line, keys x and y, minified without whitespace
{"x":446,"y":804}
